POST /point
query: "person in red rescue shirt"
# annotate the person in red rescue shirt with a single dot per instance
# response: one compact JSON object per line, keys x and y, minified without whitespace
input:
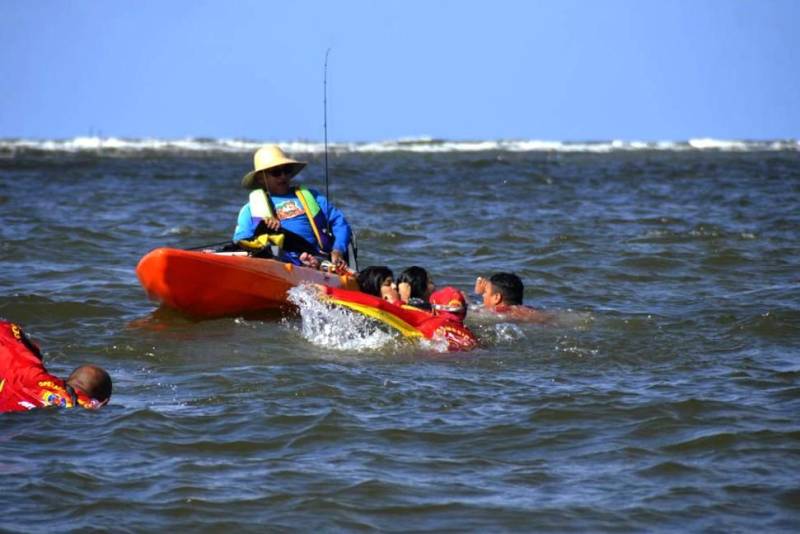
{"x":502,"y":295}
{"x":25,"y":383}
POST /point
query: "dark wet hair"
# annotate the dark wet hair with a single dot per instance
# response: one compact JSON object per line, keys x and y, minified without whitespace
{"x":417,"y":278}
{"x":371,"y":278}
{"x":92,"y":380}
{"x":510,"y":286}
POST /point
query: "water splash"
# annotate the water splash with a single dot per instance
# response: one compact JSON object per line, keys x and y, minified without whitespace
{"x":508,"y":332}
{"x":330,"y":326}
{"x":436,"y":344}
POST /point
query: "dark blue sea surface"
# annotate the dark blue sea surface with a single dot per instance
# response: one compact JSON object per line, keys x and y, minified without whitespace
{"x":666,"y":397}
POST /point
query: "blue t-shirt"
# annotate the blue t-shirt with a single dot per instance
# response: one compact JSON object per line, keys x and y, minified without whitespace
{"x":292,"y":216}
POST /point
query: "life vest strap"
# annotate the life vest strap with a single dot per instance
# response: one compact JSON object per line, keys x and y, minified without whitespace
{"x":261,"y":207}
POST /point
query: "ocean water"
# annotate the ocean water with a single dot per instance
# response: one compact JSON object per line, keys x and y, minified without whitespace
{"x":665,"y":398}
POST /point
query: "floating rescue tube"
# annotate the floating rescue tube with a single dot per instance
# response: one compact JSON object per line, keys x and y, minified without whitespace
{"x":409,"y":321}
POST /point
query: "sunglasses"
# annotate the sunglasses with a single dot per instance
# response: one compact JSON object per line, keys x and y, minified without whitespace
{"x":278,"y":171}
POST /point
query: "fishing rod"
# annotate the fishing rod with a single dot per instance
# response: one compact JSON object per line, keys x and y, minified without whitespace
{"x":352,"y":251}
{"x":325,"y":120}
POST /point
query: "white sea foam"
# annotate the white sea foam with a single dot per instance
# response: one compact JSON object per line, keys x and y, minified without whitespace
{"x":114,"y":145}
{"x":335,"y":327}
{"x":508,"y":332}
{"x":339,"y":328}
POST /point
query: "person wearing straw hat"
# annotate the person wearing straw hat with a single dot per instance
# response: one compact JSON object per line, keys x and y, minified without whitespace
{"x":310,"y":225}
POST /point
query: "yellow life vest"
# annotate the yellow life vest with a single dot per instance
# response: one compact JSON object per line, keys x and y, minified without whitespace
{"x":261,"y":207}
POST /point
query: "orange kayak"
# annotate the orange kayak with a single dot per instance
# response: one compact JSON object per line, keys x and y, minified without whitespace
{"x":217,"y":284}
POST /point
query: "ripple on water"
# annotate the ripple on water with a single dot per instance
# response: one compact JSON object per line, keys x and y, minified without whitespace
{"x":652,"y":262}
{"x":774,"y":324}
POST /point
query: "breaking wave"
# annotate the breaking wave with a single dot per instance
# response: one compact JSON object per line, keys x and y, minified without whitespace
{"x":114,"y":145}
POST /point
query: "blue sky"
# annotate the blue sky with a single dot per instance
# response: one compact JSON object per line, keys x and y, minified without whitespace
{"x":461,"y":70}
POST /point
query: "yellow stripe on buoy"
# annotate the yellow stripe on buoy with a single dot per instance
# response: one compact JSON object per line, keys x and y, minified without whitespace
{"x":381,"y":315}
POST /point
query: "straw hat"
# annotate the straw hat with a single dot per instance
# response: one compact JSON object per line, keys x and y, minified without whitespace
{"x":269,"y":157}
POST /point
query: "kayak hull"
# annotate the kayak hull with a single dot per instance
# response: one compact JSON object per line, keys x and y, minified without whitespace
{"x":212,"y":284}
